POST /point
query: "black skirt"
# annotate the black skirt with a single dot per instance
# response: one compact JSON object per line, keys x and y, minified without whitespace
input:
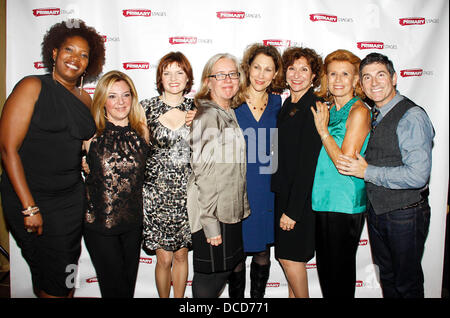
{"x":225,"y":257}
{"x":297,"y":244}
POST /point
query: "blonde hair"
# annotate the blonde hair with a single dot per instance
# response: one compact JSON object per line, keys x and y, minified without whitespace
{"x":340,"y":56}
{"x":136,"y":117}
{"x":204,"y":93}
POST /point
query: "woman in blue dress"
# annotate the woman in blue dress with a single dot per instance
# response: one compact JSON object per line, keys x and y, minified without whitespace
{"x":257,"y":117}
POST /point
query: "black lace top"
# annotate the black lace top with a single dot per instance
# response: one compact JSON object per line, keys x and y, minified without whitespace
{"x":116,"y":162}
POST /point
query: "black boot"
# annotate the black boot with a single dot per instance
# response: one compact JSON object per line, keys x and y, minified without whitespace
{"x":259,"y":274}
{"x":236,"y":284}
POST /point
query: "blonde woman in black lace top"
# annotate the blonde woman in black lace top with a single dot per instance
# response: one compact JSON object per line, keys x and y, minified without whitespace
{"x":116,"y":157}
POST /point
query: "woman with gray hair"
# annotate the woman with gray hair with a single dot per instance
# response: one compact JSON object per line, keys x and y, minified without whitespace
{"x":217,"y":197}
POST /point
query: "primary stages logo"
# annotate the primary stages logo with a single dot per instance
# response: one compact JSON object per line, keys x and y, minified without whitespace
{"x":411,"y":72}
{"x":277,"y":42}
{"x":374,"y":45}
{"x":370,"y":45}
{"x":137,"y":13}
{"x":324,"y":17}
{"x":416,"y":21}
{"x":236,"y":15}
{"x":46,"y":11}
{"x":42,"y":12}
{"x":415,"y":72}
{"x":136,"y":65}
{"x":230,"y":14}
{"x":38,"y":65}
{"x":174,"y":40}
{"x":146,"y":13}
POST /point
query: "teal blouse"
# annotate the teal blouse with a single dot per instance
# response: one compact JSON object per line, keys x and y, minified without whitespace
{"x":332,"y":191}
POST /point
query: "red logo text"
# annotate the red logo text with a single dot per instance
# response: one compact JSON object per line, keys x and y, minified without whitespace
{"x":277,"y":42}
{"x":322,"y":17}
{"x":411,"y":21}
{"x":38,"y":65}
{"x":46,"y":11}
{"x":137,"y":13}
{"x":230,"y":14}
{"x":183,"y":40}
{"x":370,"y":45}
{"x":136,"y":65}
{"x":411,"y":72}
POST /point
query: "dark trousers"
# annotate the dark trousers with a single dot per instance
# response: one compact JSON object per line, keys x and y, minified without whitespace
{"x":209,"y":285}
{"x":116,"y":261}
{"x":337,"y":240}
{"x":397,"y":240}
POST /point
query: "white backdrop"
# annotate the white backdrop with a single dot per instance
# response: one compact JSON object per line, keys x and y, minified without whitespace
{"x":413,"y":33}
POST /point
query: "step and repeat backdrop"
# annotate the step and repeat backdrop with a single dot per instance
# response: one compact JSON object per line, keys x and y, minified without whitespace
{"x":137,"y":33}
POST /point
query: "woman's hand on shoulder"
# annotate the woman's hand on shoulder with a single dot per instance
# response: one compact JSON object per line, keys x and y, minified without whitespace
{"x":190,"y":115}
{"x":146,"y":132}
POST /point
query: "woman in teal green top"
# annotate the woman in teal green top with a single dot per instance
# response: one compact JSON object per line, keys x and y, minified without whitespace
{"x":339,"y":200}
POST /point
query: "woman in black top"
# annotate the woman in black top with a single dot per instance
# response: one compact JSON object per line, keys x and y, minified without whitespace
{"x":116,"y":157}
{"x":298,"y":149}
{"x":43,"y":124}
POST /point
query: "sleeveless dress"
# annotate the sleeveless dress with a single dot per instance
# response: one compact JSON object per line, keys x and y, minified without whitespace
{"x":258,"y":228}
{"x":51,"y":158}
{"x":166,"y":223}
{"x":116,"y":161}
{"x":333,"y":191}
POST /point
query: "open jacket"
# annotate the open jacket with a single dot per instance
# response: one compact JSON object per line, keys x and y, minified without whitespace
{"x":216,"y":190}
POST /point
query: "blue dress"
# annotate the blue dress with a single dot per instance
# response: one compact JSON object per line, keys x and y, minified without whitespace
{"x":258,"y":228}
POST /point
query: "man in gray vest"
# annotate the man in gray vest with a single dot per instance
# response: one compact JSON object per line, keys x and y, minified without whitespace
{"x":396,"y":170}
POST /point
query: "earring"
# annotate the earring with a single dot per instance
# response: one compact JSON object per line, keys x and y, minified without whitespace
{"x":81,"y":82}
{"x":53,"y":70}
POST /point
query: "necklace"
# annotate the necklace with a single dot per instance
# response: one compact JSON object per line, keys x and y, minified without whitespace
{"x":254,"y":106}
{"x":172,"y":104}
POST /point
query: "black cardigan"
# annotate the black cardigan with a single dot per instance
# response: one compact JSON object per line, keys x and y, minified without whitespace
{"x":299,"y":145}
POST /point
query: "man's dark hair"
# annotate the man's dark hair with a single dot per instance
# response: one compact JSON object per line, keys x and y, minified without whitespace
{"x":377,"y":58}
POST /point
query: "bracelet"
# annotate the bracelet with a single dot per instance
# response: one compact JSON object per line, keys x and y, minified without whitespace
{"x":30,"y":211}
{"x":324,"y":136}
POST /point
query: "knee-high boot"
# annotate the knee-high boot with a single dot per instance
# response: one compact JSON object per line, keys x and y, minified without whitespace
{"x":259,"y":274}
{"x":236,"y":284}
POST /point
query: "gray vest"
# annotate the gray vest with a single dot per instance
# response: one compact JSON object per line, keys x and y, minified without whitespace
{"x":383,"y":151}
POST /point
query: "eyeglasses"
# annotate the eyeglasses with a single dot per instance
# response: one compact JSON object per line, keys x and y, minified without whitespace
{"x":222,"y":77}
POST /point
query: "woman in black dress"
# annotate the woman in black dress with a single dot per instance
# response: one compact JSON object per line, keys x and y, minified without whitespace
{"x":298,"y":149}
{"x":43,"y":124}
{"x":116,"y":157}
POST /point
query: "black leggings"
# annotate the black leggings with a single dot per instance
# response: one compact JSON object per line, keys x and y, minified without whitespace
{"x":209,"y":285}
{"x":116,"y":261}
{"x":337,"y":240}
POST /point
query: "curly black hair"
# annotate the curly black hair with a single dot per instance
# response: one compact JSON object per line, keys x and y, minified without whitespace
{"x":59,"y":32}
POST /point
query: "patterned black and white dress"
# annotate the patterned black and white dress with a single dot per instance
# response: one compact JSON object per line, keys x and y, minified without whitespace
{"x":166,"y":223}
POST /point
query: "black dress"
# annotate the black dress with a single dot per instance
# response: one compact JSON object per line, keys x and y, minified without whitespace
{"x":116,"y":162}
{"x":298,"y":149}
{"x":51,"y":158}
